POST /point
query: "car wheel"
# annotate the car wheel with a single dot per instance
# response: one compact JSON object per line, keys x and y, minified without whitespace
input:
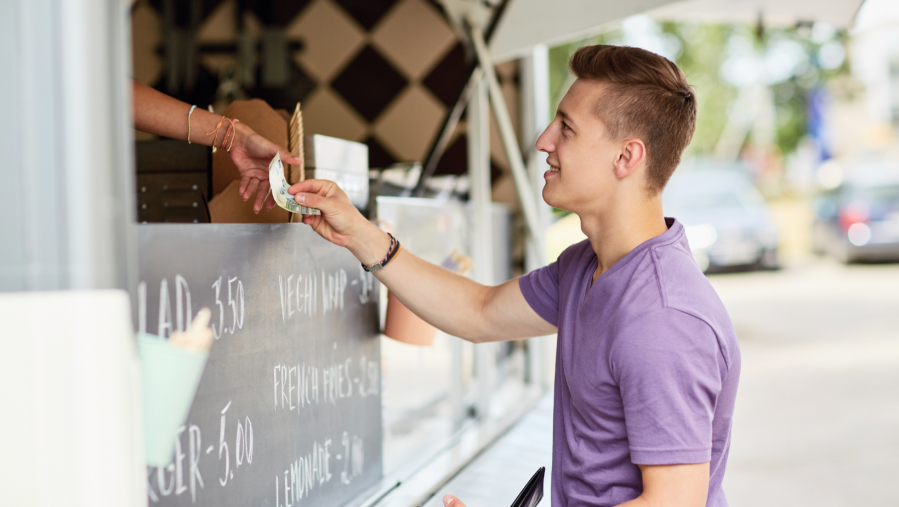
{"x":843,"y":252}
{"x":819,"y":243}
{"x":768,"y":259}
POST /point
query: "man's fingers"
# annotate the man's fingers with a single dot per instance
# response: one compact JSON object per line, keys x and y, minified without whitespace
{"x":451,"y":501}
{"x":315,"y":201}
{"x":312,"y":186}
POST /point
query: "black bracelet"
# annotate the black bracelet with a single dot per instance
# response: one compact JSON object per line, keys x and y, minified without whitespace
{"x":391,"y":253}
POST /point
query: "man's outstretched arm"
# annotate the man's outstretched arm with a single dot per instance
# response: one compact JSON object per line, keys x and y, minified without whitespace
{"x":452,"y":303}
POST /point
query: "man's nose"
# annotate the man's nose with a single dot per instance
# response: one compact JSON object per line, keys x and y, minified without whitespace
{"x":545,"y":142}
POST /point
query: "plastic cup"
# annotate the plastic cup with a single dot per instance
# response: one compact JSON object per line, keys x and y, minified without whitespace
{"x":171,"y":375}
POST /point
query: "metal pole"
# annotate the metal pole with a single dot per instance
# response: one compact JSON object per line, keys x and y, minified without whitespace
{"x":535,"y":115}
{"x":481,"y":228}
{"x":510,"y":143}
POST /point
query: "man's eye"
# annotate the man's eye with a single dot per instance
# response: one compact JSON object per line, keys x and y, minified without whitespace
{"x":565,"y":126}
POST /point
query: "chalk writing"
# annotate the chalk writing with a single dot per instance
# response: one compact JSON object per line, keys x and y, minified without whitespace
{"x":235,"y":302}
{"x":297,"y":385}
{"x":313,"y":470}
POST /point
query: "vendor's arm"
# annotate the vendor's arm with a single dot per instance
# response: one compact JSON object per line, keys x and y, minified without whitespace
{"x":159,"y":114}
{"x":452,"y":303}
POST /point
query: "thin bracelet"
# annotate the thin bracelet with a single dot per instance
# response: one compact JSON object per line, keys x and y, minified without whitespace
{"x":188,"y":122}
{"x":218,"y":125}
{"x":391,"y":253}
{"x":225,"y":139}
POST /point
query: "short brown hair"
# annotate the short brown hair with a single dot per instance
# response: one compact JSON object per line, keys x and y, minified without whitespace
{"x":648,"y":97}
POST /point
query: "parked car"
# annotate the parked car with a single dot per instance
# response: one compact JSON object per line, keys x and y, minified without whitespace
{"x":859,"y":220}
{"x":727,"y":221}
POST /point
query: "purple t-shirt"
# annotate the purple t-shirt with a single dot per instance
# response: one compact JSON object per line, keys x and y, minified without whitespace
{"x":647,"y":367}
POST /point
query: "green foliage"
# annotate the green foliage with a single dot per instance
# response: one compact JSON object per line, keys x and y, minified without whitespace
{"x":704,"y":49}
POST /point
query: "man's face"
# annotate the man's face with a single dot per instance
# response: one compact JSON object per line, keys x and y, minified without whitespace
{"x":580,"y":153}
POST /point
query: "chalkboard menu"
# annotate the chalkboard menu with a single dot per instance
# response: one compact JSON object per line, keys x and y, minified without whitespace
{"x":288,"y":411}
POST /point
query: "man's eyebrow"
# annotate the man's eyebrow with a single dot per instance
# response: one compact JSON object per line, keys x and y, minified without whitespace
{"x":565,"y":116}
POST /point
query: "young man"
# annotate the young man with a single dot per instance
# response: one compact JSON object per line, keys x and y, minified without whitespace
{"x":648,"y":363}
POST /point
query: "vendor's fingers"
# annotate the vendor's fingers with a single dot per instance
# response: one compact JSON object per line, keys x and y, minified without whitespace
{"x":288,"y":158}
{"x":251,"y":189}
{"x":260,"y":199}
{"x":244,"y":181}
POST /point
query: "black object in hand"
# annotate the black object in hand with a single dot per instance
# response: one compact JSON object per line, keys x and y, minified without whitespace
{"x":532,"y":493}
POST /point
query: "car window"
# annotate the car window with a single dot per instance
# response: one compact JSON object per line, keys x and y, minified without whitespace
{"x":884,"y":193}
{"x":703,"y":200}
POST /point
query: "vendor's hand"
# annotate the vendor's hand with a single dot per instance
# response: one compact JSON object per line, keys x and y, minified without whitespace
{"x":251,"y":155}
{"x":451,"y":501}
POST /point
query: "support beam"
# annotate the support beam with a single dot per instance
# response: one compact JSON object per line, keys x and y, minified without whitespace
{"x":510,"y":142}
{"x":481,"y":228}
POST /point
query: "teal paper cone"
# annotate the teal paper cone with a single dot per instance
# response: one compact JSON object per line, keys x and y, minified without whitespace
{"x":170,"y":378}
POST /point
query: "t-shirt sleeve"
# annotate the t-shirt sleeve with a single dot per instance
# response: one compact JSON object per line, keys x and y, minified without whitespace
{"x":667,"y":367}
{"x":541,"y":290}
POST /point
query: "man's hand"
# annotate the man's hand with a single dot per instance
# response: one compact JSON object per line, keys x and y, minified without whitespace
{"x":340,"y":222}
{"x":251,"y":155}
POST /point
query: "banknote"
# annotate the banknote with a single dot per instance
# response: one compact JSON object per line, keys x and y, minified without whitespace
{"x":279,"y":189}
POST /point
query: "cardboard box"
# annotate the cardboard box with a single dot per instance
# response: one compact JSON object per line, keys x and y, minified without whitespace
{"x":343,"y":162}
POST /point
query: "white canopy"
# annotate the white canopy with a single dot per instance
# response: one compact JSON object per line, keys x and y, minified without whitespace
{"x":839,"y":13}
{"x":528,"y":23}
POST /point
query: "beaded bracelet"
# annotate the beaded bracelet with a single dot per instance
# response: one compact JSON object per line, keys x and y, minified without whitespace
{"x":391,"y":253}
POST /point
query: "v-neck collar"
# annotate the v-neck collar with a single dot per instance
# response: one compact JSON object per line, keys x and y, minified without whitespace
{"x":673,"y":230}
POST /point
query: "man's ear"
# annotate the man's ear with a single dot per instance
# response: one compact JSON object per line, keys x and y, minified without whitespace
{"x":632,"y":155}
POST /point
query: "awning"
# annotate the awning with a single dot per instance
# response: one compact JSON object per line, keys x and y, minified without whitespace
{"x":839,"y":13}
{"x":528,"y":23}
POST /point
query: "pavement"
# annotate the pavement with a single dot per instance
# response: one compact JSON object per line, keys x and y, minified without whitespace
{"x":817,"y":416}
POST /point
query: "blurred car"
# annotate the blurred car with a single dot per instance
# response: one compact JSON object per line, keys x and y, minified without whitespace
{"x":727,"y":221}
{"x":859,"y":219}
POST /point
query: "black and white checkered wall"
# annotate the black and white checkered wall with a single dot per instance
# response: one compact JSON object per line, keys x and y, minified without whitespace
{"x":382,"y":72}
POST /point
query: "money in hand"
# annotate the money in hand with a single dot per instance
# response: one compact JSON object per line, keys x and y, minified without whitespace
{"x":279,"y":189}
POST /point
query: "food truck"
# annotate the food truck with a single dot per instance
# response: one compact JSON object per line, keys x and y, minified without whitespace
{"x":425,"y":112}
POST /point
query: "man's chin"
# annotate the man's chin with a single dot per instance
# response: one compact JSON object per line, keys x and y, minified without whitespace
{"x":550,"y":198}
